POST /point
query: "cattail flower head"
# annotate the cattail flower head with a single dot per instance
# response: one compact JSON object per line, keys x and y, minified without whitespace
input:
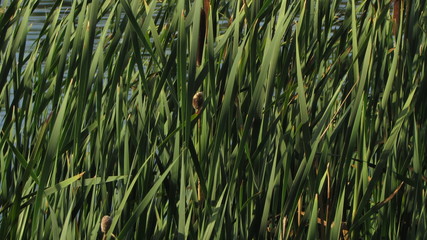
{"x":106,"y":223}
{"x":198,"y":101}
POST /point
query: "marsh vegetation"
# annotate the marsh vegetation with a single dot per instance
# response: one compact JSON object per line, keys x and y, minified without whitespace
{"x":312,"y":121}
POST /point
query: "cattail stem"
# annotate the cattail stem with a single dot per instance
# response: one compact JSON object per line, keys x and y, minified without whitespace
{"x":299,"y":210}
{"x":198,"y":105}
{"x":200,"y":194}
{"x":105,"y":236}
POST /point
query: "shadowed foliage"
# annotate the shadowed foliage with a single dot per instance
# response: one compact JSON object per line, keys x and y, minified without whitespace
{"x":311,"y":125}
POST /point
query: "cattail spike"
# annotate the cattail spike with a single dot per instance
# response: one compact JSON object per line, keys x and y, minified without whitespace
{"x":198,"y":101}
{"x":106,"y":223}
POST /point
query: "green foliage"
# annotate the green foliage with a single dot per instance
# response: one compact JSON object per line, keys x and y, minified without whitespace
{"x":313,"y":123}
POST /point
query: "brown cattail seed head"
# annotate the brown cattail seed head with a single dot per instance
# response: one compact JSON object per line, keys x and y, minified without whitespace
{"x":198,"y":101}
{"x":106,"y":223}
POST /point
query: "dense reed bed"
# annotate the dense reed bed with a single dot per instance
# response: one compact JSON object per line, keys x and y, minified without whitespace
{"x":312,"y":122}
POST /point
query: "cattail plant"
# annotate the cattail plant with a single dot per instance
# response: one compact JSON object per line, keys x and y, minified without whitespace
{"x":105,"y":225}
{"x":198,"y":99}
{"x":314,"y":107}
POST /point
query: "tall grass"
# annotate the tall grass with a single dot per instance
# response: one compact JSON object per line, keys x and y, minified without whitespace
{"x":313,"y":123}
